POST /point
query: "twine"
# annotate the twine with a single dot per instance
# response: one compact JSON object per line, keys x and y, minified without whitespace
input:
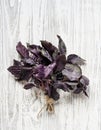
{"x":49,"y":106}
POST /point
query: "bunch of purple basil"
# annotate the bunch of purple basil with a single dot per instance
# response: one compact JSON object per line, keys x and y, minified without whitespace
{"x":49,"y":69}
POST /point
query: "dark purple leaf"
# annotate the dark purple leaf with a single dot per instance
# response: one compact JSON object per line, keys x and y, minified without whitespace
{"x":33,"y":46}
{"x":22,"y":50}
{"x":84,"y":80}
{"x":26,"y":73}
{"x":43,"y":60}
{"x":49,"y":69}
{"x":54,"y":94}
{"x":51,"y":92}
{"x":72,"y":83}
{"x":59,"y":76}
{"x":72,"y":72}
{"x":61,"y":45}
{"x":16,"y":63}
{"x":65,"y":86}
{"x":49,"y":47}
{"x":60,"y":62}
{"x":61,"y":85}
{"x":43,"y":71}
{"x":34,"y":49}
{"x":35,"y":52}
{"x":42,"y":55}
{"x":75,"y":59}
{"x":55,"y":54}
{"x":15,"y":70}
{"x":45,"y":54}
{"x":28,"y":61}
{"x":70,"y":87}
{"x":39,"y":70}
{"x":78,"y":90}
{"x":85,"y":93}
{"x":29,"y":85}
{"x":20,"y":72}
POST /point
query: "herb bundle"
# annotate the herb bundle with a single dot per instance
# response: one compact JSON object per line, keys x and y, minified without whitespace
{"x":46,"y":67}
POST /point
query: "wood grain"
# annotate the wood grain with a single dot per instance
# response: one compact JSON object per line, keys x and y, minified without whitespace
{"x":79,"y":24}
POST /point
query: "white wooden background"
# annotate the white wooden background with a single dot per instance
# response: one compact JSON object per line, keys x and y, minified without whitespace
{"x":79,"y":24}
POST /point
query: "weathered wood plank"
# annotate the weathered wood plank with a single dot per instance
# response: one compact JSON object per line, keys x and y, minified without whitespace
{"x":79,"y":24}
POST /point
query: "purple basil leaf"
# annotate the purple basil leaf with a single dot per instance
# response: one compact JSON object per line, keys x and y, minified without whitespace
{"x":45,"y":54}
{"x":49,"y":69}
{"x":21,"y":73}
{"x":48,"y":46}
{"x":85,"y":93}
{"x":72,"y":83}
{"x":43,"y":60}
{"x":22,"y":50}
{"x":59,"y":76}
{"x":33,"y":46}
{"x":84,"y":80}
{"x":72,"y":72}
{"x":65,"y":86}
{"x":29,"y":85}
{"x":39,"y":70}
{"x":60,"y":62}
{"x":42,"y":55}
{"x":55,"y":54}
{"x":34,"y":49}
{"x":43,"y":71}
{"x":61,"y":45}
{"x":15,"y":70}
{"x":70,"y":87}
{"x":35,"y":52}
{"x":28,"y":61}
{"x":26,"y":73}
{"x":54,"y":94}
{"x":16,"y":63}
{"x":75,"y":59}
{"x":78,"y":90}
{"x":61,"y":85}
